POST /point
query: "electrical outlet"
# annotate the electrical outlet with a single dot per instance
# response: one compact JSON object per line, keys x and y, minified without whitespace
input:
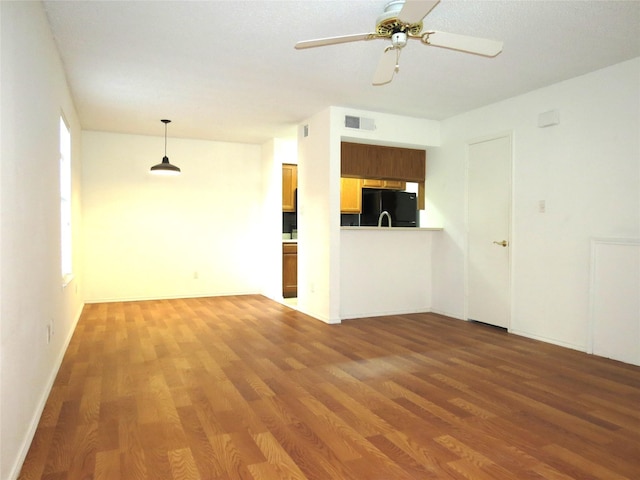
{"x":196,"y":275}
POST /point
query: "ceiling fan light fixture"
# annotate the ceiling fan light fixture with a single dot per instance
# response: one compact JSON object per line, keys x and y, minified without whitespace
{"x":399,"y":39}
{"x":165,"y":167}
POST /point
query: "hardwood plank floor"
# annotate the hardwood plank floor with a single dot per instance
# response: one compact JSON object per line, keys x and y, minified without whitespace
{"x":245,"y":388}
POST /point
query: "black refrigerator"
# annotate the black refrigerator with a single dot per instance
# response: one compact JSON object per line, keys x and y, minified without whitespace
{"x":402,"y":207}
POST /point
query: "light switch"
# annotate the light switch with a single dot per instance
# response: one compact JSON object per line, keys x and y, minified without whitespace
{"x":542,"y":206}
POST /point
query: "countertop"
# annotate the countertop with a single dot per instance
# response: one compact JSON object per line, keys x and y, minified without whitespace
{"x":392,"y":229}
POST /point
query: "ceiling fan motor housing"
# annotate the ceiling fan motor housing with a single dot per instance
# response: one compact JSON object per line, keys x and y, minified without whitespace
{"x":392,"y":25}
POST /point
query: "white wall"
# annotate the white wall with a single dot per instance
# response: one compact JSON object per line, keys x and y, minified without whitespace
{"x":392,"y":130}
{"x":148,"y":237}
{"x":385,"y":271}
{"x":587,"y":169}
{"x":316,"y":202}
{"x":34,"y":94}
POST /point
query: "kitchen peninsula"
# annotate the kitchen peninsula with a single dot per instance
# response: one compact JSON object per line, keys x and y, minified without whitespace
{"x":393,"y":229}
{"x":385,"y":270}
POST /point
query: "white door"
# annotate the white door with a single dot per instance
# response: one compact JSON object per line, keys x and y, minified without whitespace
{"x":489,"y":213}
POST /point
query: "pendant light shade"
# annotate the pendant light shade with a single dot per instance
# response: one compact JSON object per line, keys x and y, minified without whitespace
{"x":165,"y":168}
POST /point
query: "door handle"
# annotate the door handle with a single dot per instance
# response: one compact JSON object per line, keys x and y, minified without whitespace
{"x":504,"y":243}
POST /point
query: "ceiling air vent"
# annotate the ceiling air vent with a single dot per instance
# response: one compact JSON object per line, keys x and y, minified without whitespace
{"x":359,"y":123}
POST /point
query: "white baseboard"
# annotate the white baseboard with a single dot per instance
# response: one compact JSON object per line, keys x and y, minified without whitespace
{"x":169,"y":297}
{"x":447,"y":314}
{"x":351,"y":316}
{"x":24,"y":449}
{"x":553,"y":341}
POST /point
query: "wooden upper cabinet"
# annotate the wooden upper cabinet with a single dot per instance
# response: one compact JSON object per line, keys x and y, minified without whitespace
{"x":289,"y":185}
{"x":375,"y":161}
{"x":371,"y":183}
{"x":395,"y":185}
{"x":350,"y":195}
{"x":384,"y":184}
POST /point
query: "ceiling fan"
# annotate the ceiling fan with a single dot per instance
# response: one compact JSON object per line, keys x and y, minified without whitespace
{"x":402,"y":20}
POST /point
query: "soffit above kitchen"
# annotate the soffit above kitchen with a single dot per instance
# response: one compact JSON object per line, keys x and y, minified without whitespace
{"x":228,"y":71}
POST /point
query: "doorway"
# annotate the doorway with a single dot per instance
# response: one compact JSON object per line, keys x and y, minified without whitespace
{"x":488,"y":231}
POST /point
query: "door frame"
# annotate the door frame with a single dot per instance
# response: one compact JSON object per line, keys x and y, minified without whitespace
{"x":508,"y":134}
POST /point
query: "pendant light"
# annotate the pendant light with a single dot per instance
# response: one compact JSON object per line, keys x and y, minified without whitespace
{"x":165,"y":168}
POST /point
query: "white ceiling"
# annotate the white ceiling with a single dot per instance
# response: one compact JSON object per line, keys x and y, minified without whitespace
{"x":227,"y":71}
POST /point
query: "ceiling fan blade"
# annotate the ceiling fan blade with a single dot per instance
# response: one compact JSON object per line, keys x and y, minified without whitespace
{"x":321,"y":42}
{"x":463,"y":43}
{"x":413,"y":11}
{"x":387,"y":66}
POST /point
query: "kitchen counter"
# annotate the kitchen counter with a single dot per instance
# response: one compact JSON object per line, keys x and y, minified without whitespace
{"x":394,"y":229}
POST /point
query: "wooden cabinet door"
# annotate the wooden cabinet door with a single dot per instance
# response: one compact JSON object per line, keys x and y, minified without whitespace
{"x":395,"y":185}
{"x":289,"y":185}
{"x":375,"y":161}
{"x":371,"y":183}
{"x":350,"y":195}
{"x":387,"y":184}
{"x":289,"y":270}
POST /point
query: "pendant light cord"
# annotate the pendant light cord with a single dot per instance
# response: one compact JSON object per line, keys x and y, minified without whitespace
{"x":166,"y":122}
{"x":164,"y":167}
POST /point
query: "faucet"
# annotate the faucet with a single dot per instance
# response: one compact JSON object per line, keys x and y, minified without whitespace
{"x":382,"y":215}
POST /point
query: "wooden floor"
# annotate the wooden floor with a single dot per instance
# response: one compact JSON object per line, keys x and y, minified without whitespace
{"x":246,"y":388}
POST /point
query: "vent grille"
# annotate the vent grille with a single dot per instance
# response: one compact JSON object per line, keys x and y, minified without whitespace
{"x":359,"y":123}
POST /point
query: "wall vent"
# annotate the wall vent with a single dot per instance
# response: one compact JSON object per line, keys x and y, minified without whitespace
{"x":359,"y":123}
{"x":548,"y":119}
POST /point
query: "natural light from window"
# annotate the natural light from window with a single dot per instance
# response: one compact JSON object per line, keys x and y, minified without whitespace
{"x":65,"y":201}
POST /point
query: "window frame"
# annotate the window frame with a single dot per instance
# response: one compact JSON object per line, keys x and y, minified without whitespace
{"x":65,"y":184}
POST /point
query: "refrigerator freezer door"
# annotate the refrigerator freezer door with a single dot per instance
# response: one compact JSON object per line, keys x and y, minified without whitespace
{"x":404,"y":209}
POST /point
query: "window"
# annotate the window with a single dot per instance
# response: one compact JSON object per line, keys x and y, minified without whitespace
{"x":65,"y":201}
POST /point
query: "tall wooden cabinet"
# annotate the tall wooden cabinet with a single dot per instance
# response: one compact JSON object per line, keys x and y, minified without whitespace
{"x":289,"y":249}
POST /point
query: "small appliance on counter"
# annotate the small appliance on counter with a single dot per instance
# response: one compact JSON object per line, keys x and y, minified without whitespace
{"x":401,"y":207}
